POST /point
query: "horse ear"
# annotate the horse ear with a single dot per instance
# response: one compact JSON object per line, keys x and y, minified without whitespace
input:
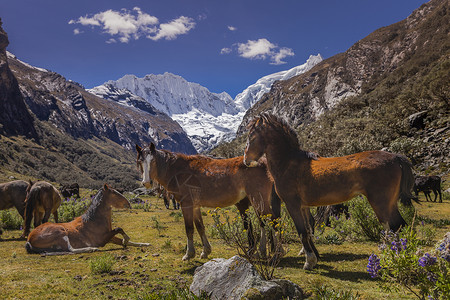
{"x":105,"y":187}
{"x":152,"y":148}
{"x":138,"y":148}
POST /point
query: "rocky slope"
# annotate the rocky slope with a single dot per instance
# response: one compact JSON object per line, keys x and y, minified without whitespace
{"x":71,"y":109}
{"x":305,"y":97}
{"x":367,"y":97}
{"x":14,"y":115}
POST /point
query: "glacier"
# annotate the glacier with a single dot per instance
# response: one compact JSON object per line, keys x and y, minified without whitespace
{"x":207,"y":118}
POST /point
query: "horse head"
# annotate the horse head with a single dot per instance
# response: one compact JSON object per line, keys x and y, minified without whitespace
{"x":256,"y":144}
{"x":115,"y":199}
{"x":144,"y":160}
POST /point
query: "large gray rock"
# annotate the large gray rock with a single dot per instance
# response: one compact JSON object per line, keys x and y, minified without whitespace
{"x":236,"y":278}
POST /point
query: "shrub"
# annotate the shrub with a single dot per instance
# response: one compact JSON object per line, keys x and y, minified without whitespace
{"x":10,"y":219}
{"x":402,"y":263}
{"x":231,"y":230}
{"x":101,"y":264}
{"x":72,"y":207}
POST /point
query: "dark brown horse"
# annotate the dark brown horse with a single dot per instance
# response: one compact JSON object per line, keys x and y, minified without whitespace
{"x":42,"y":200}
{"x":85,"y":233}
{"x":303,"y":179}
{"x":13,"y":194}
{"x":198,"y":181}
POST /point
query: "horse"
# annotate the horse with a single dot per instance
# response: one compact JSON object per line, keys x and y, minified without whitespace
{"x":161,"y":192}
{"x":69,"y":190}
{"x":85,"y":233}
{"x":13,"y":194}
{"x":304,"y":179}
{"x":198,"y":181}
{"x":42,"y":200}
{"x":426,"y":184}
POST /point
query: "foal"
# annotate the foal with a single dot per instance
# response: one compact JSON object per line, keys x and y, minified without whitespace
{"x":85,"y":233}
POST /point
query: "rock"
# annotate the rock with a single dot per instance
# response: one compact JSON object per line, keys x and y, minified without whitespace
{"x":417,"y":120}
{"x":236,"y":278}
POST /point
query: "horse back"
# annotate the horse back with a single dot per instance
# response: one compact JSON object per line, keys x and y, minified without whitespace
{"x":332,"y":180}
{"x":13,"y":194}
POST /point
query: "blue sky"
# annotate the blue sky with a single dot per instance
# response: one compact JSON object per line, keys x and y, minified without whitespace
{"x":224,"y":45}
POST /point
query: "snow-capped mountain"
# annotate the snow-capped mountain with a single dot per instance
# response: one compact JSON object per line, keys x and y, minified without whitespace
{"x":254,"y":92}
{"x":207,"y":118}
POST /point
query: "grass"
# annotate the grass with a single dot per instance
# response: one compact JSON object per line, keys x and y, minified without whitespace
{"x":142,"y":273}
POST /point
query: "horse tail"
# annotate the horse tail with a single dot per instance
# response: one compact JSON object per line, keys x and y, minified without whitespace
{"x":29,"y":248}
{"x":407,"y":181}
{"x":30,"y":203}
{"x":322,"y":215}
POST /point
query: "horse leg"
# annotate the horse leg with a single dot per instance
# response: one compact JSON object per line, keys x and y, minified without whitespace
{"x":201,"y":231}
{"x":188,"y":215}
{"x":301,"y":224}
{"x":242,"y":206}
{"x":78,"y":250}
{"x":126,"y":239}
{"x":46,"y":216}
{"x":386,"y":211}
{"x":55,"y":216}
{"x":311,"y":222}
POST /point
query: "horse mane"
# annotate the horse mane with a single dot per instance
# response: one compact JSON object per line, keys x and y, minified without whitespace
{"x":95,"y":203}
{"x":282,"y":127}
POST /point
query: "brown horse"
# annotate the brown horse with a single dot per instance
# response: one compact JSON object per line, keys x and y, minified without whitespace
{"x":85,"y":233}
{"x":13,"y":194}
{"x":42,"y":200}
{"x":198,"y":181}
{"x":303,"y":179}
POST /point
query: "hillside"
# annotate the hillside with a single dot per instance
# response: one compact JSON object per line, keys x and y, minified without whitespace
{"x":52,"y":129}
{"x":389,"y":91}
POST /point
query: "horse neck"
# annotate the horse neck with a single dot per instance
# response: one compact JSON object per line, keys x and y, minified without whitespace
{"x":279,"y":152}
{"x":97,"y":212}
{"x":163,"y":167}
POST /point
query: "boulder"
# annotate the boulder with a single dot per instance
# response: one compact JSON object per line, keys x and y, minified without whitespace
{"x":236,"y":278}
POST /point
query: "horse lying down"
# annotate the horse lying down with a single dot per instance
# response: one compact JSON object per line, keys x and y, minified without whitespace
{"x":85,"y":233}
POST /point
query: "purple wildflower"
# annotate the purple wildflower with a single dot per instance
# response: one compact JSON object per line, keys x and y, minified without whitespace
{"x":404,"y":243}
{"x":373,"y":267}
{"x":427,"y":260}
{"x":432,"y":277}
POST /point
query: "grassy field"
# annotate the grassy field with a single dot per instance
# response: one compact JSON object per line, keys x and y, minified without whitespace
{"x":140,"y":273}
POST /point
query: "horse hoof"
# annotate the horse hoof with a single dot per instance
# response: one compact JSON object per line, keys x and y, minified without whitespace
{"x":308,"y":266}
{"x":204,"y":255}
{"x":188,"y":257}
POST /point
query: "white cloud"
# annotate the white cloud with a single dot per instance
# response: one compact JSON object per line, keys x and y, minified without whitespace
{"x":232,"y":28}
{"x":170,"y":31}
{"x":261,"y":49}
{"x":125,"y":25}
{"x":225,"y":51}
{"x":77,"y":31}
{"x":277,"y":58}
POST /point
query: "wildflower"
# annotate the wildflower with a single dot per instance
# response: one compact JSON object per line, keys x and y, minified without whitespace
{"x":432,"y":277}
{"x":427,"y":260}
{"x":404,"y":243}
{"x":373,"y":267}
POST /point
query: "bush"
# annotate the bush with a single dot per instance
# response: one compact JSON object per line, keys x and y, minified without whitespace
{"x":72,"y":207}
{"x":10,"y":219}
{"x":402,"y":263}
{"x":101,"y":264}
{"x":231,"y":230}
